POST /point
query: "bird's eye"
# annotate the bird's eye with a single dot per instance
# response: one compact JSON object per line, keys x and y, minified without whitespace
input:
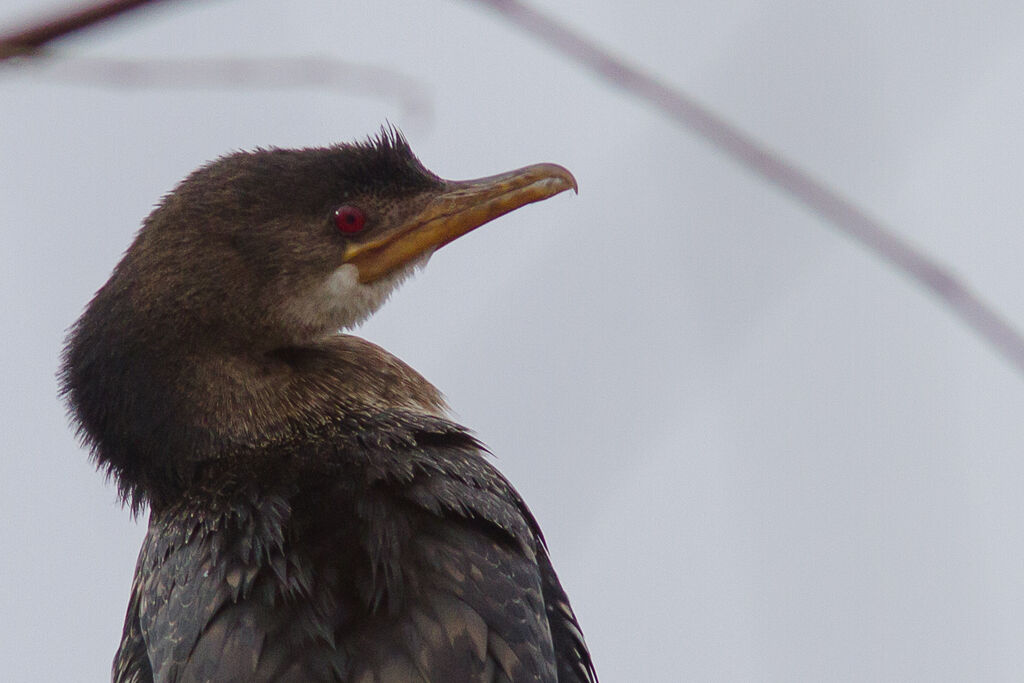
{"x":349,"y":219}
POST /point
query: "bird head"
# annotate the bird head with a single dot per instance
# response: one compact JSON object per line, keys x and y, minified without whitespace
{"x":281,"y":247}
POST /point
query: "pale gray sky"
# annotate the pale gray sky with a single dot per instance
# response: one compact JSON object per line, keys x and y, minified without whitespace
{"x":757,"y":453}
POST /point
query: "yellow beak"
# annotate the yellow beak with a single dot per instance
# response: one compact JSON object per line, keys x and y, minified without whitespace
{"x":461,"y":207}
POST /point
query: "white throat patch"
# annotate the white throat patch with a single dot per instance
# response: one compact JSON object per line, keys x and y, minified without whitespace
{"x":341,"y":301}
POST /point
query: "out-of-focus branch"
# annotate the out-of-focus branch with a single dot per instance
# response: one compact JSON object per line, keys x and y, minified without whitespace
{"x":246,"y":73}
{"x":282,"y":72}
{"x":26,"y":41}
{"x":750,"y":153}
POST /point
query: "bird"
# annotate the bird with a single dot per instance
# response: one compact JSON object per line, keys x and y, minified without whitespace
{"x":315,"y":513}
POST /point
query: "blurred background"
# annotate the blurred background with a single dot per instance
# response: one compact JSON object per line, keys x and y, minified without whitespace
{"x":758,"y":453}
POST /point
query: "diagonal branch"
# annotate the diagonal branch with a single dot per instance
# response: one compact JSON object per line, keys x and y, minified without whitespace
{"x":29,"y":40}
{"x":851,"y":220}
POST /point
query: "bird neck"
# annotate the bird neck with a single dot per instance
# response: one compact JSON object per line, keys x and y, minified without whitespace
{"x":160,"y":410}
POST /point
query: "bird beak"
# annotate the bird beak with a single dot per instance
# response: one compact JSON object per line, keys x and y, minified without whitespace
{"x":461,"y":207}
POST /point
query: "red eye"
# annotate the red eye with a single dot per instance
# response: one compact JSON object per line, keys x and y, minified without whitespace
{"x":349,"y":219}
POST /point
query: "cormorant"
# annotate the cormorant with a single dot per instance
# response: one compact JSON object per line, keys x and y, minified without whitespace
{"x":315,"y":515}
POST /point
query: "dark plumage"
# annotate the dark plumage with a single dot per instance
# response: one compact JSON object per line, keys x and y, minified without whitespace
{"x":314,"y":513}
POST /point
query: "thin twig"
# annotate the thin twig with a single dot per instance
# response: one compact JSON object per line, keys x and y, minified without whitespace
{"x":27,"y":41}
{"x":747,"y":151}
{"x":246,"y":73}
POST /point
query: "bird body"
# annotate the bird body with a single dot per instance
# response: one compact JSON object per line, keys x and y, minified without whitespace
{"x":315,"y":514}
